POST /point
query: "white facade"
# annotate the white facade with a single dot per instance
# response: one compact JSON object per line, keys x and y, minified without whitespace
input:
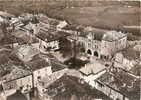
{"x":25,"y":83}
{"x":52,"y":45}
{"x":40,"y":73}
{"x":109,"y":48}
{"x":104,"y":48}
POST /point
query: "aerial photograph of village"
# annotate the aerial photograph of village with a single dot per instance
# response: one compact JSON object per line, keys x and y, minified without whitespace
{"x":70,"y":49}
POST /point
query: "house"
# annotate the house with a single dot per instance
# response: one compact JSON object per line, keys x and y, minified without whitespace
{"x":127,"y":58}
{"x":90,"y":76}
{"x":102,"y":44}
{"x":40,"y":67}
{"x":67,"y":87}
{"x":119,"y":84}
{"x":36,"y":62}
{"x":17,"y":77}
{"x":50,"y":40}
{"x":25,"y":52}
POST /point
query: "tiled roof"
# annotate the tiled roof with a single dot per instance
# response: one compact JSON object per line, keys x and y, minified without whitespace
{"x":66,"y":85}
{"x":51,"y":36}
{"x":16,"y":73}
{"x":56,"y":66}
{"x":22,"y":35}
{"x":25,"y":52}
{"x":122,"y":81}
{"x":38,"y":61}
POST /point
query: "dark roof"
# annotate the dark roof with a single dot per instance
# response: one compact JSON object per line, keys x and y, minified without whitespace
{"x":98,"y":36}
{"x":74,"y":28}
{"x":72,"y":85}
{"x":51,"y":36}
{"x":121,"y":81}
{"x":22,"y":36}
{"x":56,"y":66}
{"x":17,"y":96}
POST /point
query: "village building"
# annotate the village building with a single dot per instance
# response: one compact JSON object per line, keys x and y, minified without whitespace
{"x":119,"y":85}
{"x":49,"y":41}
{"x":102,"y":44}
{"x":17,"y":78}
{"x":40,"y":67}
{"x":127,"y":58}
{"x":46,"y":32}
{"x":66,"y":87}
{"x":36,"y":62}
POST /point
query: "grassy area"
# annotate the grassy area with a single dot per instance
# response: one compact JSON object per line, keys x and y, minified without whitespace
{"x":100,"y":14}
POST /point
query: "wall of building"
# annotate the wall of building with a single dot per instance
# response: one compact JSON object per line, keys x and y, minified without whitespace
{"x":93,"y":45}
{"x":109,"y":91}
{"x":109,"y":48}
{"x":90,"y":79}
{"x":25,"y":83}
{"x":123,"y":62}
{"x":40,"y":73}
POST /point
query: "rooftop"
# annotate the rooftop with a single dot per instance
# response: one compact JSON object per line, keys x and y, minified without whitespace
{"x":23,"y":36}
{"x":96,"y":34}
{"x":123,"y":82}
{"x":14,"y":72}
{"x":56,"y":66}
{"x":113,"y":35}
{"x":92,"y":68}
{"x":38,"y":61}
{"x":50,"y":21}
{"x":51,"y":36}
{"x":25,"y":52}
{"x":130,"y":53}
{"x":67,"y":85}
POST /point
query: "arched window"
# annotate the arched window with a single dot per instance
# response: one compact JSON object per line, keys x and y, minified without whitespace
{"x":89,"y":52}
{"x":96,"y":53}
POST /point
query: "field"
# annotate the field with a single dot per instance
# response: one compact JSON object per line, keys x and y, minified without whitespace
{"x":99,"y":13}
